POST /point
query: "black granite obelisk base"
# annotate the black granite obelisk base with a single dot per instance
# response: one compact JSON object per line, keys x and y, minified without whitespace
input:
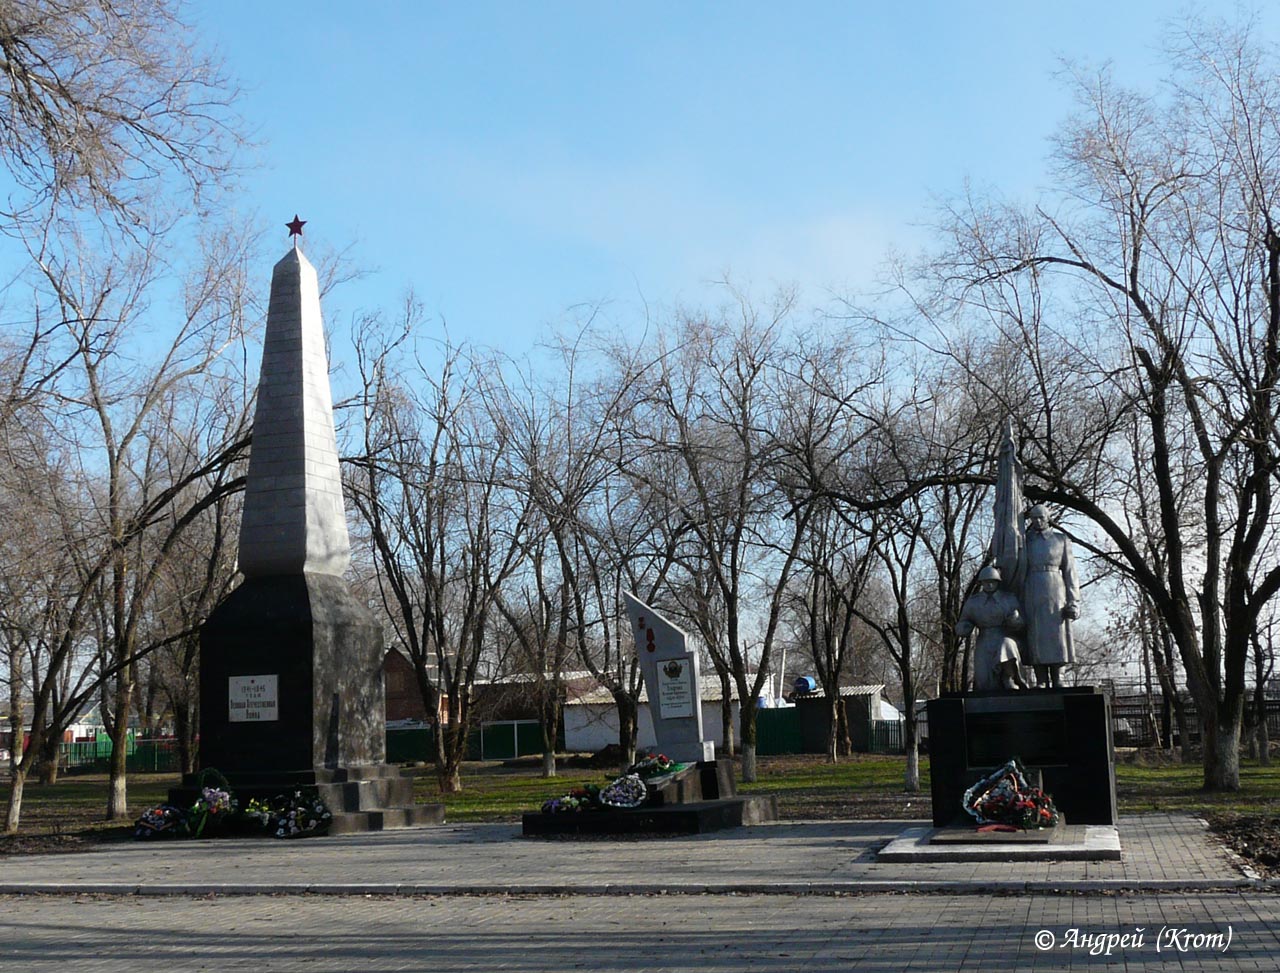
{"x":324,"y":650}
{"x":1065,"y":734}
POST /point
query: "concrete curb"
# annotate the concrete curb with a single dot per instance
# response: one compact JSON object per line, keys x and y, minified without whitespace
{"x":794,"y":889}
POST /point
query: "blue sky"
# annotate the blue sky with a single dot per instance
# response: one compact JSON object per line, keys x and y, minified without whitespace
{"x":512,"y":162}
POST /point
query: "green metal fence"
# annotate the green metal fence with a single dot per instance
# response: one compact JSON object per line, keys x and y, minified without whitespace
{"x":419,"y":745}
{"x":508,"y":739}
{"x":502,"y":740}
{"x":141,"y":756}
{"x":778,"y":731}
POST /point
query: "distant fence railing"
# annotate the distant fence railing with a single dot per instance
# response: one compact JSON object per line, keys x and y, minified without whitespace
{"x":885,"y":736}
{"x":141,"y":756}
{"x":781,"y":731}
{"x":497,"y":740}
{"x":1136,"y":721}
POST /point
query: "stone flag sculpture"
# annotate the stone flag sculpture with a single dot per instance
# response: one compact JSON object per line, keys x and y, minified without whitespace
{"x":1007,"y":552}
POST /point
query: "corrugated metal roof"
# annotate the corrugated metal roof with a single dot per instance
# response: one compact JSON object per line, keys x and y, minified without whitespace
{"x":709,"y":691}
{"x":844,"y":691}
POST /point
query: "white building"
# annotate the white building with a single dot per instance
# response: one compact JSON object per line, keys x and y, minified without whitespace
{"x":591,"y":720}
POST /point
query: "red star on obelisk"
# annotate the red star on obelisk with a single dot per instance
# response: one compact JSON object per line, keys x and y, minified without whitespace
{"x":295,"y":228}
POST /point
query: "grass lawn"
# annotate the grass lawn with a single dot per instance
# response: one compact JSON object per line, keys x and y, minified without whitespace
{"x":866,"y":786}
{"x":1177,"y":787}
{"x":79,"y":802}
{"x":492,"y":792}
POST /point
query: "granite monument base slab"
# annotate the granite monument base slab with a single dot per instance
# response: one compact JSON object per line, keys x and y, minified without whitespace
{"x":1064,"y":734}
{"x":699,"y":817}
{"x":956,"y":835}
{"x":376,"y":798}
{"x":693,"y":800}
{"x":291,"y":696}
{"x":1075,"y":842}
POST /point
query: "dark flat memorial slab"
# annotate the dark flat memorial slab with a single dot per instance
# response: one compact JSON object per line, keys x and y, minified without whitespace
{"x":698,"y":817}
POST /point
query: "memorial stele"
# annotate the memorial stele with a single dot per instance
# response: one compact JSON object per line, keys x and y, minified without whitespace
{"x":672,"y":681}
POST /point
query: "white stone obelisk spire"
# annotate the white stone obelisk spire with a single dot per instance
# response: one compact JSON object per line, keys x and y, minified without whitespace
{"x":293,"y":519}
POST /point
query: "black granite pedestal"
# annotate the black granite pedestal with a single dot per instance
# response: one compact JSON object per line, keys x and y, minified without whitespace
{"x":291,"y":695}
{"x":1065,"y":734}
{"x":696,"y":800}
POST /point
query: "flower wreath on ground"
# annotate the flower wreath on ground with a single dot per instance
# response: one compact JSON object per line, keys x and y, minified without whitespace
{"x":217,"y":811}
{"x":300,"y":815}
{"x":1006,"y":800}
{"x":625,"y":791}
{"x":654,"y":765}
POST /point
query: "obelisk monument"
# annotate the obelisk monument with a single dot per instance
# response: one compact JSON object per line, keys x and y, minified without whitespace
{"x":291,"y":689}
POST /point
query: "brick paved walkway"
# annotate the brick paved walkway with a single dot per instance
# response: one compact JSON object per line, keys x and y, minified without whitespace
{"x":785,"y":897}
{"x":777,"y":934}
{"x":1160,"y":851}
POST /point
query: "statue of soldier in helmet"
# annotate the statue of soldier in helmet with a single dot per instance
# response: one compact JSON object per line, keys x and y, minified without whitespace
{"x":996,"y":616}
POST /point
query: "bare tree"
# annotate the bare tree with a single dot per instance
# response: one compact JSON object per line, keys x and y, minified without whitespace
{"x":193,"y":580}
{"x":712,"y":403}
{"x":537,"y":609}
{"x":104,"y":105}
{"x":837,"y":560}
{"x":561,"y":423}
{"x":446,"y":533}
{"x":1148,"y":290}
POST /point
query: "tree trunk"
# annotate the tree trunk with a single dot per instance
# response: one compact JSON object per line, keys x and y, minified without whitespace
{"x":118,"y":795}
{"x":15,"y":713}
{"x":449,"y":777}
{"x":626,"y":729}
{"x":1221,"y":755}
{"x":1186,"y":750}
{"x":50,"y":753}
{"x":449,"y":770}
{"x":726,"y":722}
{"x":912,"y":747}
{"x":833,"y":730}
{"x":748,"y":763}
{"x":748,"y":744}
{"x":451,"y":747}
{"x":450,"y":780}
{"x":182,"y":726}
{"x":550,"y":733}
{"x":14,"y":813}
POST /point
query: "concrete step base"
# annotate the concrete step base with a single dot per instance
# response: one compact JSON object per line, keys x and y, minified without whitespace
{"x":368,"y":794}
{"x":1076,"y":842}
{"x":387,"y":818}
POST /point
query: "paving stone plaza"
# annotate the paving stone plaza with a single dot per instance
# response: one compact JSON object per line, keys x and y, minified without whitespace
{"x":793,"y":896}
